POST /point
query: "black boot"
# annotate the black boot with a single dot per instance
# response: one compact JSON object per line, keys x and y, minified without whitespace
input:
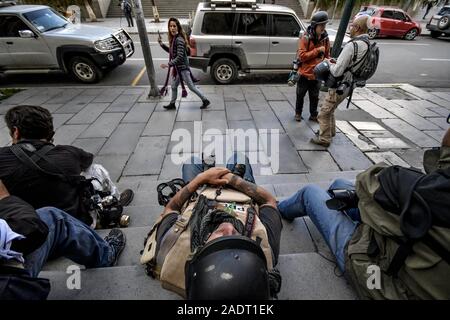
{"x":170,"y":106}
{"x":205,"y":104}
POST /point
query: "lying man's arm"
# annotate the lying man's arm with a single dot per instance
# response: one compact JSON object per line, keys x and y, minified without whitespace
{"x":260,"y":195}
{"x":212,"y":176}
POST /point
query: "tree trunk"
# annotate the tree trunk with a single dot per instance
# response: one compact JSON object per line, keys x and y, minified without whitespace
{"x":91,"y":13}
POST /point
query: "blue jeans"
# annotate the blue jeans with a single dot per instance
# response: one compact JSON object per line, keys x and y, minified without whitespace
{"x":195,"y":166}
{"x":189,"y":83}
{"x":70,"y":238}
{"x":336,"y":227}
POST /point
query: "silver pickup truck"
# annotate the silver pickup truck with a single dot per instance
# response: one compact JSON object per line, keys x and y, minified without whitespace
{"x":35,"y":39}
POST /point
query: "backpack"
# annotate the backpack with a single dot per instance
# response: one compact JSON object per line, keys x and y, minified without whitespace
{"x":405,"y":233}
{"x":368,"y":63}
{"x":165,"y":258}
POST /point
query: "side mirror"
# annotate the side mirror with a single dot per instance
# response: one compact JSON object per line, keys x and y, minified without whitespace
{"x":26,"y":34}
{"x":298,"y":33}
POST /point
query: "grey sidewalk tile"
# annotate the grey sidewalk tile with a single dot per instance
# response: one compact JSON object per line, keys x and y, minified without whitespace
{"x":60,"y":118}
{"x":377,"y":134}
{"x":390,"y":143}
{"x":104,"y":126}
{"x":76,"y":104}
{"x":283,"y":110}
{"x":437,"y":135}
{"x":414,"y":157}
{"x":91,"y":145}
{"x":68,"y":133}
{"x":266,"y":120}
{"x":189,"y":114}
{"x":245,"y":140}
{"x":256,"y":101}
{"x":109,"y":95}
{"x":21,"y":96}
{"x":426,"y":95}
{"x":5,"y":138}
{"x":373,"y":109}
{"x":367,"y":125}
{"x":172,"y":165}
{"x":328,"y":177}
{"x":233,"y":93}
{"x":140,"y":112}
{"x":93,"y":91}
{"x":89,"y":114}
{"x":414,"y":120}
{"x":123,"y":103}
{"x":5,"y":107}
{"x":182,"y":139}
{"x":318,"y":239}
{"x":272,"y":93}
{"x":281,"y":178}
{"x":214,"y":126}
{"x":160,"y":124}
{"x":347,"y":156}
{"x":65,"y":95}
{"x":440,"y":122}
{"x":295,"y":237}
{"x":422,"y":108}
{"x":414,"y":135}
{"x":442,"y":94}
{"x":359,"y":140}
{"x":441,"y":111}
{"x":123,"y":140}
{"x":134,"y":91}
{"x":388,"y":157}
{"x":148,"y":156}
{"x":318,"y":161}
{"x":287,"y":189}
{"x":237,"y":110}
{"x":2,"y":122}
{"x":300,"y":135}
{"x":241,"y":124}
{"x":213,"y":115}
{"x":52,"y":107}
{"x":114,"y":165}
{"x":287,"y":159}
{"x":251,"y":89}
{"x":138,"y":183}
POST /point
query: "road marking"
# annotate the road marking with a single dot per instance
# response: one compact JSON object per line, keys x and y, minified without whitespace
{"x":435,"y":59}
{"x":404,"y":44}
{"x":138,"y":77}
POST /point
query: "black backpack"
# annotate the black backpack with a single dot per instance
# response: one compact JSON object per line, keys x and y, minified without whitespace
{"x":368,"y":63}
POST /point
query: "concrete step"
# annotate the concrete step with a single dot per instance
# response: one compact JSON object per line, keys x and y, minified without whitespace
{"x":304,"y":276}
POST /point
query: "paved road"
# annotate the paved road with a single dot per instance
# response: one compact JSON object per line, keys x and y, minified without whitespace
{"x":424,"y":62}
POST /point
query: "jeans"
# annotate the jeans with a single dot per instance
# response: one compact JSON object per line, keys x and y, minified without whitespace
{"x":312,"y":87}
{"x":70,"y":238}
{"x":336,"y":227}
{"x":195,"y":166}
{"x":190,"y":84}
{"x":129,"y":19}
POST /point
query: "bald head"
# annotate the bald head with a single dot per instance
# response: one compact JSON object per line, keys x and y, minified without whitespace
{"x":359,"y":26}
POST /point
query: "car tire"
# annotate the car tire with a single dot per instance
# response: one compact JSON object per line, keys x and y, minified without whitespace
{"x":411,"y":34}
{"x":435,"y":34}
{"x":84,"y":70}
{"x":372,"y":33}
{"x":444,"y":23}
{"x":224,"y":71}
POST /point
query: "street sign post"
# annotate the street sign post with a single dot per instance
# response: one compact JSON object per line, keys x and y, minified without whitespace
{"x":348,"y":7}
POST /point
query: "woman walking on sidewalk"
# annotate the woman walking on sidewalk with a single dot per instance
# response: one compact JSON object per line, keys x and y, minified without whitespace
{"x":179,"y":65}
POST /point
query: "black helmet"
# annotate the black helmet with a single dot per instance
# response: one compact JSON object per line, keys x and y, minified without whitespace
{"x":229,"y":267}
{"x":322,"y":71}
{"x":320,"y":17}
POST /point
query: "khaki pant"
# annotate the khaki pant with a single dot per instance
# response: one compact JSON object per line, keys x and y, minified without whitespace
{"x":326,"y":118}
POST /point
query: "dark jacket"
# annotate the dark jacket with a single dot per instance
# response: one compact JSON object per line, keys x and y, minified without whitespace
{"x":178,"y":53}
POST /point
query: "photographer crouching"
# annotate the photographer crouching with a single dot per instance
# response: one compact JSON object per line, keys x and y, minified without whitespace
{"x":341,"y":70}
{"x":395,"y":220}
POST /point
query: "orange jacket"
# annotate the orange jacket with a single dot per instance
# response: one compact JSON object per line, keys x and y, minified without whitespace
{"x":309,"y":54}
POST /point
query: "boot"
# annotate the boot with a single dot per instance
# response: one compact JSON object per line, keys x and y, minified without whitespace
{"x":170,"y":106}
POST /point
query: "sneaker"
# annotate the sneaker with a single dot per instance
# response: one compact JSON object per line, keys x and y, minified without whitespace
{"x":320,"y":142}
{"x":126,"y":197}
{"x":298,"y":117}
{"x":205,"y":104}
{"x":313,"y":118}
{"x":116,"y":239}
{"x":170,"y":106}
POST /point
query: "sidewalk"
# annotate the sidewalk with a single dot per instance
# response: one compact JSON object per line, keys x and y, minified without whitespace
{"x":137,"y":141}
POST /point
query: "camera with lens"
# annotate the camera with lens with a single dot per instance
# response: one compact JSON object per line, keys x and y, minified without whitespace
{"x":108,"y":210}
{"x":342,"y":200}
{"x":293,"y":75}
{"x":342,"y":87}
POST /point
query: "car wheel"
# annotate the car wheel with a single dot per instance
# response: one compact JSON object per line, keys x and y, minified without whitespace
{"x":372,"y":33}
{"x":444,"y":23}
{"x":84,"y":70}
{"x":411,"y":34}
{"x":224,"y":71}
{"x":435,"y":34}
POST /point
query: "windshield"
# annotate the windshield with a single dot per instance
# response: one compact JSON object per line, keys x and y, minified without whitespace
{"x":46,"y":19}
{"x":367,"y":10}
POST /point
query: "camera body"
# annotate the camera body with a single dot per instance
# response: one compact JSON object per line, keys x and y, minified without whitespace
{"x":293,"y":75}
{"x":342,"y":199}
{"x":108,"y":210}
{"x":342,"y":87}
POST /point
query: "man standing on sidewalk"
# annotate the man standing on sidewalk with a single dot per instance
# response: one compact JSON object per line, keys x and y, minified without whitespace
{"x":125,"y":5}
{"x":313,"y":47}
{"x":342,"y":69}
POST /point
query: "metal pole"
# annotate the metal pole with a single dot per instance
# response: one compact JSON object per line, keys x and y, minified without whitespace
{"x":142,"y":30}
{"x":348,"y":7}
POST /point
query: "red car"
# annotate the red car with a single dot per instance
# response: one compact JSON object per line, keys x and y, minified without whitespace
{"x":389,"y":21}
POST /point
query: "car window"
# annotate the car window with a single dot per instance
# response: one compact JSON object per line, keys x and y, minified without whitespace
{"x":444,"y":11}
{"x":46,"y":19}
{"x":399,"y":16}
{"x":252,"y":24}
{"x":220,"y":23}
{"x":388,"y":14}
{"x":285,"y":26}
{"x":10,"y":26}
